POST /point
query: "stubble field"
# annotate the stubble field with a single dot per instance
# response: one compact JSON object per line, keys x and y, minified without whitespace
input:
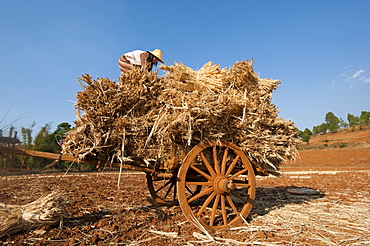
{"x":97,"y":212}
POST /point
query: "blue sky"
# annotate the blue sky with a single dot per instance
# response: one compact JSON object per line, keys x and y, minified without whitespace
{"x":320,"y":50}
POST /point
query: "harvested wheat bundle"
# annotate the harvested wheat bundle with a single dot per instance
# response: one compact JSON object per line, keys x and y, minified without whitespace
{"x":143,"y":116}
{"x":44,"y":211}
{"x":242,"y":75}
{"x":114,"y":117}
{"x":209,"y":77}
{"x":240,"y":112}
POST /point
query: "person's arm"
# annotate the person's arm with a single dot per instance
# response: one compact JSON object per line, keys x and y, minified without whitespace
{"x":144,"y":64}
{"x":143,"y":57}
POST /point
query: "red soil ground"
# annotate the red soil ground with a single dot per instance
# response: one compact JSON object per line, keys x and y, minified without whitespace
{"x":100,"y":213}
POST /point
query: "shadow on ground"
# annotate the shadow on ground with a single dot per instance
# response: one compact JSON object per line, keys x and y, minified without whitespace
{"x":269,"y":199}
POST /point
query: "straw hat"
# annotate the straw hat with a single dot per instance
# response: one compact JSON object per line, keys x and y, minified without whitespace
{"x":157,"y":53}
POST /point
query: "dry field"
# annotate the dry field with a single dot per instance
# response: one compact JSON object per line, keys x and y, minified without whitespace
{"x":100,"y":213}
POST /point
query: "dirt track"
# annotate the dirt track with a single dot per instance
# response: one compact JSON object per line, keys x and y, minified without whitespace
{"x":98,"y":213}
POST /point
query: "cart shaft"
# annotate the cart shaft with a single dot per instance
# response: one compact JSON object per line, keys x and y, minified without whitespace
{"x":61,"y":157}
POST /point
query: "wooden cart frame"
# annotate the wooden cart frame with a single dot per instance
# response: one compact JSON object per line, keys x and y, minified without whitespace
{"x":214,"y":184}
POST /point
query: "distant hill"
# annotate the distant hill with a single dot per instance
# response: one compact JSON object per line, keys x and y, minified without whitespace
{"x":345,"y":137}
{"x":342,"y":150}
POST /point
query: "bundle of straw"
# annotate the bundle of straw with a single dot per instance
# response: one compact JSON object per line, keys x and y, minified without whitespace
{"x":47,"y":210}
{"x":143,"y":116}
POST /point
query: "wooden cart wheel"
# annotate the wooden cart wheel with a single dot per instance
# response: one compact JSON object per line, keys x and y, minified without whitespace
{"x":228,"y":185}
{"x":163,"y":191}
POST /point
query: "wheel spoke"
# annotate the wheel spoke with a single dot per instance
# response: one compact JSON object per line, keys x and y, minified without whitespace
{"x":241,"y":184}
{"x":214,"y":209}
{"x":232,"y":205}
{"x":174,"y":195}
{"x":231,"y":167}
{"x":224,"y":159}
{"x":235,"y":175}
{"x":223,"y":210}
{"x":200,"y":194}
{"x":169,"y":190}
{"x":201,"y":172}
{"x":188,"y":189}
{"x":209,"y":167}
{"x":215,"y":160}
{"x":206,"y":202}
{"x":161,"y":189}
{"x":239,"y":196}
{"x":199,"y":183}
{"x":167,"y":183}
{"x":193,"y":192}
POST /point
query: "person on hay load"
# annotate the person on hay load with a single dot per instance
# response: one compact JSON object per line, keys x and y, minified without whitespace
{"x":144,"y":59}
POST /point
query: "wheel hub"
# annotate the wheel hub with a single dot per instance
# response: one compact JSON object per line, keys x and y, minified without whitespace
{"x":223,"y":185}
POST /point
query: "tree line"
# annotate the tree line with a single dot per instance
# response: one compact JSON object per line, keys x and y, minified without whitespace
{"x":333,"y":123}
{"x":45,"y":140}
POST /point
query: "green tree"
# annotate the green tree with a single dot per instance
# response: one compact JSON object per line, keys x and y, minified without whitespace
{"x":63,"y":128}
{"x":26,"y":134}
{"x":61,"y":132}
{"x":332,"y":122}
{"x":306,"y":136}
{"x":308,"y":131}
{"x":315,"y":130}
{"x":353,"y":120}
{"x":343,"y":123}
{"x":45,"y":142}
{"x":364,"y":118}
{"x":299,"y":132}
{"x":322,"y":128}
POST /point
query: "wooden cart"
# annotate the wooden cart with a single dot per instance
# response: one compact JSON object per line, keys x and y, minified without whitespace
{"x":214,"y":182}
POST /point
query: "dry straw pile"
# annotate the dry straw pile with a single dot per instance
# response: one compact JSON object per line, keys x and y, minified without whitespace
{"x":143,"y":116}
